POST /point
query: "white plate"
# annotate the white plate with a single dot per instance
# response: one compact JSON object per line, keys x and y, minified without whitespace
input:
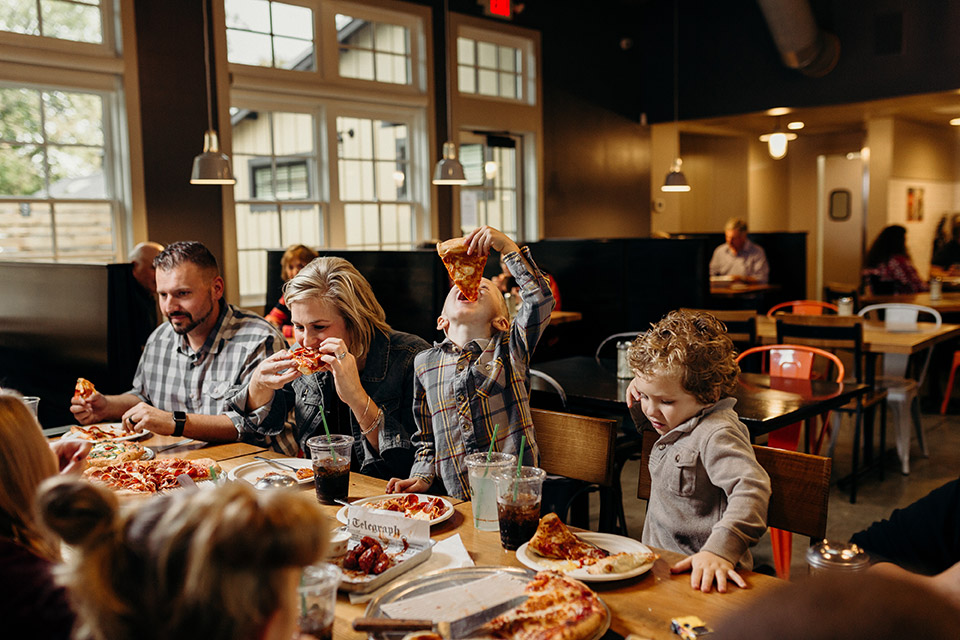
{"x":252,"y":471}
{"x":139,"y":435}
{"x":607,"y":541}
{"x":342,"y":514}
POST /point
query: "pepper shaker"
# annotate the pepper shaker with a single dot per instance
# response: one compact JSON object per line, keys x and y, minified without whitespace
{"x":623,"y":361}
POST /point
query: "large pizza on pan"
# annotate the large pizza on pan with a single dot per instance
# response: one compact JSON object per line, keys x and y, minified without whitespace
{"x":151,"y":476}
{"x":465,"y":269}
{"x":307,"y":360}
{"x":558,"y":608}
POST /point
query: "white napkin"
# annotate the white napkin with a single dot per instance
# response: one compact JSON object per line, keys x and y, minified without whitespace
{"x":447,"y":554}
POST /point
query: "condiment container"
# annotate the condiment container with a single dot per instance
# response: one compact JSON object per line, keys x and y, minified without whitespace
{"x":827,"y":557}
{"x":845,"y":306}
{"x":936,"y":288}
{"x":623,"y":361}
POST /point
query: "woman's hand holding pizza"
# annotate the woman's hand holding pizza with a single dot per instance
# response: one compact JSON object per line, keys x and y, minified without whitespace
{"x":91,"y":409}
{"x":336,"y":355}
{"x":270,"y":375}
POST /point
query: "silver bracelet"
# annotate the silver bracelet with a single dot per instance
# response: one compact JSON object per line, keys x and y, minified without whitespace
{"x":374,"y":424}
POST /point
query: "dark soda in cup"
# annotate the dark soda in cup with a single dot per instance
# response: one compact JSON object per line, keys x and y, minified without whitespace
{"x":518,"y":520}
{"x":331,"y":466}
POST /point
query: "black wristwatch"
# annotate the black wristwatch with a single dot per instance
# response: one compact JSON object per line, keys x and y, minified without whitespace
{"x":179,"y":420}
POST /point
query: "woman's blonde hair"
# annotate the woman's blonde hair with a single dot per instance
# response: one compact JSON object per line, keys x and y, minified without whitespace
{"x":203,"y":564}
{"x":299,"y":252}
{"x":694,"y":346}
{"x":338,"y":283}
{"x":25,"y":461}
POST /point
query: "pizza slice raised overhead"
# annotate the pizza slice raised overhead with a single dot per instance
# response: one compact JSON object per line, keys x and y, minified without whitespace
{"x":84,"y":389}
{"x":465,"y":269}
{"x":554,"y":540}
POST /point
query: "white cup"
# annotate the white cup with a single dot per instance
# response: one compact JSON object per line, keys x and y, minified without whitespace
{"x":31,"y":402}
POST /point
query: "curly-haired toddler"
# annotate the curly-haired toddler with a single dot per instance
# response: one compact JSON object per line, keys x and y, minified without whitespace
{"x":709,"y":495}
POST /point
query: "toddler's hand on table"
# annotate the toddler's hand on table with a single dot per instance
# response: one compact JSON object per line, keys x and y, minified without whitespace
{"x":408,"y":485}
{"x":705,"y":568}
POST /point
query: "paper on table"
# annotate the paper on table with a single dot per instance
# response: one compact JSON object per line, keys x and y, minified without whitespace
{"x":454,"y":603}
{"x":447,"y":554}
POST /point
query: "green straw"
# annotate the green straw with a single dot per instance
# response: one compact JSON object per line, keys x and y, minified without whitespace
{"x":323,"y":416}
{"x":516,"y":487}
{"x":486,"y":471}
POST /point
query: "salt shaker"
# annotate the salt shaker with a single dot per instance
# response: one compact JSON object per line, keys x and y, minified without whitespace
{"x":936,"y":288}
{"x":623,"y":361}
{"x":845,"y":306}
{"x":827,"y":557}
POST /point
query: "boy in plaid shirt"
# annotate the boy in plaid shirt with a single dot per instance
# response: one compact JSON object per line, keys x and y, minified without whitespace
{"x":476,"y":379}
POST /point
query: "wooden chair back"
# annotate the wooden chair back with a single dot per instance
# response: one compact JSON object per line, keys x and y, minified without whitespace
{"x":804,"y":307}
{"x":800,"y":487}
{"x":825,"y":332}
{"x":574,"y":446}
{"x":741,"y":324}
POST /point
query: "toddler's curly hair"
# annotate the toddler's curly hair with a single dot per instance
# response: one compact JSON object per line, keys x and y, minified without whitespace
{"x":693,"y":345}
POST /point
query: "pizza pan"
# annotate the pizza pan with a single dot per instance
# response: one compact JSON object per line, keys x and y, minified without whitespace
{"x":406,"y":559}
{"x":342,"y":514}
{"x":445,"y":579}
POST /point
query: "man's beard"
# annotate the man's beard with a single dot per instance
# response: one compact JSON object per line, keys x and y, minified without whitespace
{"x":191,"y":323}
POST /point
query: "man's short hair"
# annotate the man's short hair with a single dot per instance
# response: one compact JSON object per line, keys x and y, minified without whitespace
{"x":738,"y":224}
{"x":186,"y":251}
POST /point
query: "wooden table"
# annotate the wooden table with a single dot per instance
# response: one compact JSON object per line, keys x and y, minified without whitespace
{"x":737,"y":289}
{"x":563,"y":317}
{"x":643,"y":605}
{"x":764,"y":404}
{"x":876,"y":338}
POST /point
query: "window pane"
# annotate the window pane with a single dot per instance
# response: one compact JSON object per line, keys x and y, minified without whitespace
{"x":487,"y":55}
{"x":20,"y":115}
{"x":84,"y":228}
{"x":253,"y":272}
{"x":292,"y":21}
{"x":391,"y":68}
{"x":302,"y":224}
{"x":356,"y":63}
{"x":248,"y":181}
{"x":388,"y":224}
{"x":392,"y":38}
{"x":465,"y":53}
{"x":365,"y":138}
{"x":292,"y":179}
{"x":405,"y":224}
{"x":508,"y":59}
{"x":387,"y":184}
{"x":466,"y":80}
{"x":356,"y":33}
{"x":252,"y":135}
{"x":353,"y":218}
{"x":373,"y":50}
{"x":244,"y":47}
{"x":71,"y":21}
{"x":19,"y":16}
{"x":347,"y":138}
{"x":508,"y":85}
{"x":471,"y":157}
{"x":27,"y":231}
{"x":488,"y":82}
{"x":371,"y":224}
{"x":293,"y":133}
{"x":253,"y":15}
{"x":356,"y":180}
{"x":73,"y":117}
{"x":76,"y":172}
{"x":21,"y":170}
{"x":291,"y":53}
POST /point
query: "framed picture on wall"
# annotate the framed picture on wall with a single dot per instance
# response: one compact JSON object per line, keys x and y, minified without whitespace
{"x":914,"y":204}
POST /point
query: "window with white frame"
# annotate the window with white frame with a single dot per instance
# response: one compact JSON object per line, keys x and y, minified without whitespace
{"x":277,"y":197}
{"x":270,"y":34}
{"x":492,"y":194}
{"x":490,"y":69}
{"x":377,"y":51}
{"x":76,"y":20}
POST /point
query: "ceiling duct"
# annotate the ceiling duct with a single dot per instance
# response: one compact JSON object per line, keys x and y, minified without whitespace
{"x":802,"y":44}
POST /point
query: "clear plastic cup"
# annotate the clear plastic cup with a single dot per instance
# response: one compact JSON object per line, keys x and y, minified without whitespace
{"x":331,"y":466}
{"x":318,"y":596}
{"x":518,"y":505}
{"x":483,"y":486}
{"x":32,"y":403}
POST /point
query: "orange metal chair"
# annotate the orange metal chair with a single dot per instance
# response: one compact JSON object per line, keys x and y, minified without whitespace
{"x":803,"y":307}
{"x":793,"y":361}
{"x":953,"y":375}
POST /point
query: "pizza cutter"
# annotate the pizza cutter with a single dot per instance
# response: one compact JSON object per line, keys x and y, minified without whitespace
{"x":461,"y":628}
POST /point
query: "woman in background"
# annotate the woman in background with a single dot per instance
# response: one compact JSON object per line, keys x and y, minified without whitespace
{"x":223,"y":564}
{"x":295,"y":258}
{"x":888,"y":267}
{"x":29,"y":597}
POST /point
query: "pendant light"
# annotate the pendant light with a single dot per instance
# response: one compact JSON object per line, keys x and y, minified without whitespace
{"x":212,"y":166}
{"x":675,"y":181}
{"x":777,"y":141}
{"x":448,"y":169}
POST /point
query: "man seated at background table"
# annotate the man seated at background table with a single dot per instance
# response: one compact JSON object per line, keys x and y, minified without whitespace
{"x":193,"y":364}
{"x":738,"y":257}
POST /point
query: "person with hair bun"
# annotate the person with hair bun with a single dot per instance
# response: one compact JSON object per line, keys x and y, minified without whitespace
{"x":708,"y":494}
{"x":221,"y":564}
{"x":365,"y":384}
{"x":29,"y":598}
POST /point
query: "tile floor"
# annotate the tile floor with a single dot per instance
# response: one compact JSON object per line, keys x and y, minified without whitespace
{"x":875,"y":498}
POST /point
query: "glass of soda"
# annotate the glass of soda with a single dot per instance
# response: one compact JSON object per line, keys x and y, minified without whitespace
{"x":518,"y":505}
{"x":331,"y":466}
{"x":318,"y":596}
{"x":483,"y":485}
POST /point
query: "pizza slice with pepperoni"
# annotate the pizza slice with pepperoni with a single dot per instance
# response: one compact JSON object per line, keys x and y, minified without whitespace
{"x":465,"y":269}
{"x":307,"y":360}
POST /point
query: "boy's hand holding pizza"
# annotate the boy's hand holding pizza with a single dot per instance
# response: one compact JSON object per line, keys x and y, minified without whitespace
{"x":482,"y":239}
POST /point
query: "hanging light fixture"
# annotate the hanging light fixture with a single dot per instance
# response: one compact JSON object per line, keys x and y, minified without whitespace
{"x":777,"y":140}
{"x":212,"y":166}
{"x":675,"y":181}
{"x":448,"y":169}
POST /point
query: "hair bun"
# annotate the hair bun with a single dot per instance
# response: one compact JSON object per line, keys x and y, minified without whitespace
{"x":79,"y":512}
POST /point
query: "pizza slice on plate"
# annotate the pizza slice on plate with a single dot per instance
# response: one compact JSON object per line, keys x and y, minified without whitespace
{"x":554,"y":540}
{"x":151,"y":476}
{"x":465,"y":270}
{"x":307,"y":360}
{"x":99,"y":432}
{"x":104,"y":453}
{"x":84,"y":389}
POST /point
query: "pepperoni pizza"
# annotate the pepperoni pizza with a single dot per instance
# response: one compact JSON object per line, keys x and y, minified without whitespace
{"x":307,"y":360}
{"x":151,"y":476}
{"x":465,"y":269}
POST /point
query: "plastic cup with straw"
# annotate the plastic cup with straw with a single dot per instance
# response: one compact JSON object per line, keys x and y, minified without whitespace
{"x":516,"y":486}
{"x":323,"y":416}
{"x":486,"y":471}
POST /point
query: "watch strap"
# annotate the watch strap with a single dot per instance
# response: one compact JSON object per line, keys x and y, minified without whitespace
{"x":179,"y":421}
